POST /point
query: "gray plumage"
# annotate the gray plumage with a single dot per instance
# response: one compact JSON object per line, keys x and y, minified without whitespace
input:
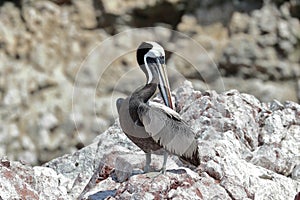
{"x":135,"y":131}
{"x":156,"y":127}
{"x":169,"y":131}
{"x":153,"y":126}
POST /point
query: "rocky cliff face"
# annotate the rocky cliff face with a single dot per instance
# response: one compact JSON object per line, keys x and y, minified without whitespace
{"x":53,"y":99}
{"x":248,"y":150}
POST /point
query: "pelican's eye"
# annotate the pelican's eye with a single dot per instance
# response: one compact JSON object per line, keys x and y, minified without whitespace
{"x":161,"y":59}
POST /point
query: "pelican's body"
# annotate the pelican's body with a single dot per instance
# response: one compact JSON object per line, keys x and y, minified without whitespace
{"x":153,"y":126}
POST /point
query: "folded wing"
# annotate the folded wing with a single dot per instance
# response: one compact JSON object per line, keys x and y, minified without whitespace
{"x":168,"y":129}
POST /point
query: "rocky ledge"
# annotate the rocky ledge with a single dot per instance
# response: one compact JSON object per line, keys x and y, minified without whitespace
{"x":248,"y":150}
{"x":53,"y":71}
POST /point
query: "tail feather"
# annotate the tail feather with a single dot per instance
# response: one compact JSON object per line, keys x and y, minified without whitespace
{"x":194,"y":159}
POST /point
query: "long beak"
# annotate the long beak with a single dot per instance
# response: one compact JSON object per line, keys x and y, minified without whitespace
{"x":163,"y":84}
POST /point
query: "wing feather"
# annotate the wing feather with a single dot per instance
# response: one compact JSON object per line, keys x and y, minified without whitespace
{"x":174,"y":135}
{"x":169,"y":111}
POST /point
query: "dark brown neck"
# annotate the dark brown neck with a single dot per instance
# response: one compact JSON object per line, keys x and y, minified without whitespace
{"x":140,"y":96}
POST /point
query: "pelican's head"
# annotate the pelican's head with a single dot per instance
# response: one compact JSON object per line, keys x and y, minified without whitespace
{"x":151,"y":58}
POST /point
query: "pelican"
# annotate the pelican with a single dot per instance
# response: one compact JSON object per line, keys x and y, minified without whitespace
{"x":153,"y":126}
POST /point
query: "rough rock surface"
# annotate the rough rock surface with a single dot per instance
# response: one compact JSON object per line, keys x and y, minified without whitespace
{"x":53,"y":99}
{"x":260,"y":46}
{"x":264,"y":45}
{"x":248,"y":150}
{"x":41,"y":47}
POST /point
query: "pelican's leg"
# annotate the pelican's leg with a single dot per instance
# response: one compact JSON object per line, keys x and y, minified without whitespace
{"x":163,"y":169}
{"x":153,"y":175}
{"x":148,"y":161}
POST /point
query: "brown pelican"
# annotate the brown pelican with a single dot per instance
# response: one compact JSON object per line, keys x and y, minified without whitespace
{"x":154,"y":126}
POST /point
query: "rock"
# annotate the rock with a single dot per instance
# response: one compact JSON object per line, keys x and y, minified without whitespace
{"x":140,"y":13}
{"x":298,"y":89}
{"x":227,"y":158}
{"x":86,"y":14}
{"x":123,"y":169}
{"x":176,"y":186}
{"x":239,"y":23}
{"x":37,"y":75}
{"x":12,"y":32}
{"x":214,"y":170}
{"x":261,"y":185}
{"x":264,"y":90}
{"x":209,"y":12}
{"x":265,"y":18}
{"x":239,"y":160}
{"x":296,"y":173}
{"x":196,"y":57}
{"x":21,"y":181}
{"x":250,"y":52}
{"x":48,"y":122}
{"x":61,"y":71}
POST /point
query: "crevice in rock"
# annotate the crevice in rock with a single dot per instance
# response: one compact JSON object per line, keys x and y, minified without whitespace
{"x":104,"y":19}
{"x":295,"y":9}
{"x":228,"y":192}
{"x":17,"y":3}
{"x":208,"y":13}
{"x":150,"y":16}
{"x":42,"y":88}
{"x":62,"y":2}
